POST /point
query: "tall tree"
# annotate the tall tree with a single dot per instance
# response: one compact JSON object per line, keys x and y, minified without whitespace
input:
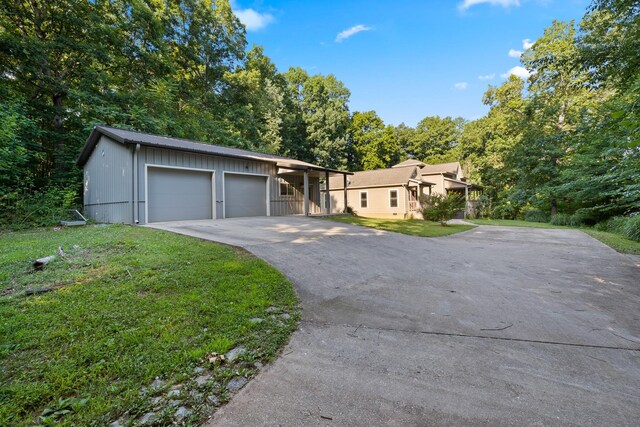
{"x":435,"y":138}
{"x":376,"y":145}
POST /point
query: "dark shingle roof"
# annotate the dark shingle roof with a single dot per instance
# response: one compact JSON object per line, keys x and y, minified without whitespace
{"x":131,"y":137}
{"x":409,"y":162}
{"x":451,"y":168}
{"x":377,"y":177}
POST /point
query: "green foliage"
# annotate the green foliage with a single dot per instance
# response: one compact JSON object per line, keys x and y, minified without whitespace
{"x":564,"y":219}
{"x":535,"y":215}
{"x":631,"y":228}
{"x":440,"y":207}
{"x":136,"y":304}
{"x":435,"y":139}
{"x":26,"y":208}
{"x":504,"y":211}
{"x":374,"y":144}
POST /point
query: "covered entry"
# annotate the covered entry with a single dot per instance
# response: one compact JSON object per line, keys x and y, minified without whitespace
{"x":175,"y":194}
{"x":245,"y":195}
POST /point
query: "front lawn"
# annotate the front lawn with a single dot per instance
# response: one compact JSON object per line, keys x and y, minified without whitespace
{"x":415,"y":227}
{"x":133,"y":326}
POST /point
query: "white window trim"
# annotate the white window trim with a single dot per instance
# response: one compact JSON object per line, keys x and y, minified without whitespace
{"x":397,"y":198}
{"x":268,"y":181}
{"x":146,"y":186}
{"x":360,"y":199}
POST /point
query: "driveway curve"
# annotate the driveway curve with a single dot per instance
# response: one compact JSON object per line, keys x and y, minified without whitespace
{"x":493,"y":326}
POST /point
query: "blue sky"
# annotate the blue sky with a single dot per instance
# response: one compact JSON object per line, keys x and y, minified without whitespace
{"x":405,"y":59}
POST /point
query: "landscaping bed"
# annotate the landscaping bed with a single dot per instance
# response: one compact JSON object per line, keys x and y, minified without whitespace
{"x":131,"y":325}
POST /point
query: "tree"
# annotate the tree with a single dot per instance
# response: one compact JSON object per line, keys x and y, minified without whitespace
{"x":323,"y":105}
{"x":559,"y":96}
{"x":375,"y":145}
{"x":435,"y":139}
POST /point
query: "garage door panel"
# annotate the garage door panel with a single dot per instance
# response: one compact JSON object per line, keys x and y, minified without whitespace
{"x":178,"y":194}
{"x":245,"y":195}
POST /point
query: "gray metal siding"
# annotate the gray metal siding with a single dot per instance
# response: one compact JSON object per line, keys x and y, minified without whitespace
{"x":245,"y":195}
{"x":108,"y":184}
{"x":178,"y":194}
{"x":294,"y":205}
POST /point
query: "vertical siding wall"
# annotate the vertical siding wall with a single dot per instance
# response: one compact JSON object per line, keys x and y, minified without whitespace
{"x":279,"y":205}
{"x":108,"y":184}
{"x":294,"y":205}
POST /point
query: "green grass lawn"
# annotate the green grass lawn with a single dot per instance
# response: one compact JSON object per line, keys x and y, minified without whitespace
{"x":416,"y":227}
{"x":613,"y":240}
{"x":135,"y":304}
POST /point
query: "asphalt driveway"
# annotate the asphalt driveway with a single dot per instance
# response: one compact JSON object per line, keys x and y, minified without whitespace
{"x":493,"y":326}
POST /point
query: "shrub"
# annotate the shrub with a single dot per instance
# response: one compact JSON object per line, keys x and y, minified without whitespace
{"x":631,"y":229}
{"x":506,"y":211}
{"x":19,"y":209}
{"x":536,"y":215}
{"x":561,"y":219}
{"x":439,"y":207}
{"x":576,"y":220}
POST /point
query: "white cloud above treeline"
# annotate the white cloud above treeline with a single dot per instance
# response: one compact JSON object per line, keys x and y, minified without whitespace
{"x":466,"y":4}
{"x":349,"y":32}
{"x":461,"y":85}
{"x":519,"y":71}
{"x":252,"y":19}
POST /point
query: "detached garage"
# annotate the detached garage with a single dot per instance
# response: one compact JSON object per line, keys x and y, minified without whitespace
{"x":137,"y":178}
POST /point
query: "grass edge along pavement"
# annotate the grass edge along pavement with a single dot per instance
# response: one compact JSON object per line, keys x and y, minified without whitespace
{"x":415,"y":227}
{"x":613,"y":240}
{"x":136,"y":326}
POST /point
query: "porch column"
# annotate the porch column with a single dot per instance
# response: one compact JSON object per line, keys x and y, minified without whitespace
{"x":306,"y":193}
{"x":466,"y":201}
{"x":327,"y":204}
{"x":344,"y":183}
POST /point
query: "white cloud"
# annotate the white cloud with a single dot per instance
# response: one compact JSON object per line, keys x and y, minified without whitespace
{"x":466,"y":4}
{"x":343,"y":35}
{"x":527,"y":44}
{"x":253,"y":20}
{"x":515,"y":53}
{"x":461,"y":85}
{"x":487,"y":76}
{"x":519,"y":71}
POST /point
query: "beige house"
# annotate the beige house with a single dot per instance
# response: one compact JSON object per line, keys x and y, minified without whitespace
{"x":395,"y":192}
{"x":381,"y":193}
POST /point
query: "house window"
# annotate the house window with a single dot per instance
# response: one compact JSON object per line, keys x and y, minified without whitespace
{"x":286,"y":189}
{"x":393,"y":198}
{"x":363,"y":199}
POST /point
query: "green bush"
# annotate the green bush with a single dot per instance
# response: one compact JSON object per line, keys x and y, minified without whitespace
{"x":561,"y":219}
{"x":631,"y":229}
{"x":536,"y":215}
{"x":615,"y":224}
{"x":20,"y":209}
{"x":442,"y":208}
{"x":506,"y":211}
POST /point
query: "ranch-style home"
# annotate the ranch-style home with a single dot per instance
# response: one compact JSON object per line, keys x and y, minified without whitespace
{"x":395,"y":192}
{"x":138,"y":178}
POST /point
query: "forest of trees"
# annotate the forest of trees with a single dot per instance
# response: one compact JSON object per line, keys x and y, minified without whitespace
{"x":567,"y":140}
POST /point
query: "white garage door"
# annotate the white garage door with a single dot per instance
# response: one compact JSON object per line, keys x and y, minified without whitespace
{"x":178,"y":194}
{"x":245,"y":195}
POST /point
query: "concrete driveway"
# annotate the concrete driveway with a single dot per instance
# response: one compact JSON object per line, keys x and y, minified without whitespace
{"x":494,"y":326}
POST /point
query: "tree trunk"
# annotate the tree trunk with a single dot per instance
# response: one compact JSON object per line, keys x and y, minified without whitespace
{"x":554,"y":207}
{"x":58,"y":155}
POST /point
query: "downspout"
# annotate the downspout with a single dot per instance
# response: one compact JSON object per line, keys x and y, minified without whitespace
{"x":136,"y":208}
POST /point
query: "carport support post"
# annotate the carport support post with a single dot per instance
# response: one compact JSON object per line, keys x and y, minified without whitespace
{"x":344,"y":182}
{"x":327,"y":203}
{"x":306,"y":193}
{"x":466,"y":200}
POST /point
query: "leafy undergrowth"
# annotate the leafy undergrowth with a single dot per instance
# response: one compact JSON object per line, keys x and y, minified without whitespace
{"x":135,"y":314}
{"x":514,"y":223}
{"x":415,"y":227}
